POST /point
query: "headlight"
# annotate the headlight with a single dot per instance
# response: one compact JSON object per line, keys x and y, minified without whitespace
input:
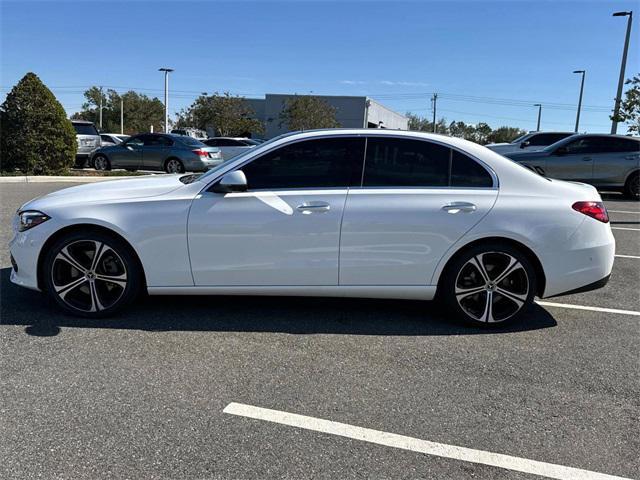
{"x":30,"y":219}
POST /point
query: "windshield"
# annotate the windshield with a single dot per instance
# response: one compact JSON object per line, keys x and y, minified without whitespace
{"x":559,"y":143}
{"x":85,"y":129}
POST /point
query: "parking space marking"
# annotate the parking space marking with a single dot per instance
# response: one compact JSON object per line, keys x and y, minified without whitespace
{"x":626,"y":228}
{"x":623,"y":211}
{"x":627,"y":256}
{"x":403,"y":442}
{"x":593,"y":309}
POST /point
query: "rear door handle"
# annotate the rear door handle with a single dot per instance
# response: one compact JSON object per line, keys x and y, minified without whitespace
{"x":456,"y":207}
{"x":313,"y":207}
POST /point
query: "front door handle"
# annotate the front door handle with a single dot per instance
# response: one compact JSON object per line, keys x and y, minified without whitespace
{"x":457,"y":207}
{"x":313,"y":207}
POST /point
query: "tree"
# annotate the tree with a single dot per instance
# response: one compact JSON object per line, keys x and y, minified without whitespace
{"x":630,"y":106}
{"x":226,"y":114}
{"x":423,"y":124}
{"x":505,"y":134}
{"x":140,"y":111}
{"x":308,"y":112}
{"x":37,"y":137}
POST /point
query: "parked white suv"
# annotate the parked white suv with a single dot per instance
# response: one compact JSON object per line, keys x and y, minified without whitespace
{"x":190,"y":132}
{"x":230,"y":147}
{"x":529,"y":142}
{"x":88,"y":141}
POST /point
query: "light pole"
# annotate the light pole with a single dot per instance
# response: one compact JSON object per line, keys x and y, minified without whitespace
{"x":539,"y":105}
{"x":616,"y":108}
{"x":434,"y":100}
{"x":583,"y":72}
{"x":166,"y":97}
{"x":121,"y":116}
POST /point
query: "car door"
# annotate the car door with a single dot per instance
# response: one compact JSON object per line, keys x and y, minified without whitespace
{"x":573,"y":160}
{"x":617,"y":158}
{"x":285,"y":230}
{"x":127,"y":154}
{"x":155,"y":151}
{"x":417,"y":199}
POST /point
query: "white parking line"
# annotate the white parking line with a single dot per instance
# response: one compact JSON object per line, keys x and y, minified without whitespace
{"x":403,"y":442}
{"x":627,"y":256}
{"x":623,"y":211}
{"x":593,"y":309}
{"x":626,"y":228}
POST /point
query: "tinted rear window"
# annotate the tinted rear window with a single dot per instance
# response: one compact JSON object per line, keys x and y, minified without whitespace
{"x":85,"y":129}
{"x":192,"y":142}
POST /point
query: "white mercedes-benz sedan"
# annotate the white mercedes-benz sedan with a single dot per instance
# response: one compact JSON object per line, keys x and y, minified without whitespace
{"x":352,"y":213}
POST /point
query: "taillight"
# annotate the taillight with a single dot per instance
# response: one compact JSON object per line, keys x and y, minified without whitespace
{"x":201,"y":153}
{"x":595,"y":210}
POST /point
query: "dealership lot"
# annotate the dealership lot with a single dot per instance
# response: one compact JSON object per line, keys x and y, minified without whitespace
{"x":143,"y":395}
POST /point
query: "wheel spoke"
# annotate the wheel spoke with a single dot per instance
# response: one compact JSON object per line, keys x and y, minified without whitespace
{"x":95,"y":300}
{"x":477,"y":263}
{"x":512,"y":267}
{"x":467,"y":292}
{"x":517,"y":298}
{"x":66,"y":256}
{"x":487,"y":315}
{"x":96,"y":255}
{"x":63,"y":290}
{"x":120,"y":280}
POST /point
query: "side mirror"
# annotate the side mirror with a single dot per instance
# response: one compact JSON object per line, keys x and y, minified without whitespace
{"x":231,"y":182}
{"x":525,"y":144}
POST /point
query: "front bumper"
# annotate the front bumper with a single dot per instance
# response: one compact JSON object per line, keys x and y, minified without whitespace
{"x":25,"y":249}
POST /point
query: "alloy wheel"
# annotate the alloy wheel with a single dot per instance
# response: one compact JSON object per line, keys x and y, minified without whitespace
{"x":174,"y":166}
{"x":492,"y":287}
{"x":100,"y":163}
{"x":88,"y":275}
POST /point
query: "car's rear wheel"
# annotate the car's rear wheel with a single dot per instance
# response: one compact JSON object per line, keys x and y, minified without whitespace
{"x":173,"y":165}
{"x":100,"y":162}
{"x":91,"y":274}
{"x":632,"y":186}
{"x":488,"y":285}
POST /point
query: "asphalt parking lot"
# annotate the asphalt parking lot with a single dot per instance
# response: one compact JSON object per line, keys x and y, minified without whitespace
{"x":143,"y":395}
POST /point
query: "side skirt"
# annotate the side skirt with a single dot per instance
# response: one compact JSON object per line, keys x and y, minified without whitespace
{"x":402,"y":292}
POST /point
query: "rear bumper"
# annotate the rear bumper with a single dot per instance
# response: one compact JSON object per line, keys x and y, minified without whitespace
{"x":586,"y":288}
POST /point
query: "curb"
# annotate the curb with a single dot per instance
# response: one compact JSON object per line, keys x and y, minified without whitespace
{"x":62,"y":179}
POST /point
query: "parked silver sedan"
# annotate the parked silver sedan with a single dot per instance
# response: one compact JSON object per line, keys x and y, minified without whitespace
{"x":158,"y":151}
{"x":604,"y":161}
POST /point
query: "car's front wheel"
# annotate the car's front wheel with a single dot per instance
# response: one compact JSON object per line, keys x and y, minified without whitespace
{"x":490,"y":284}
{"x":91,"y":274}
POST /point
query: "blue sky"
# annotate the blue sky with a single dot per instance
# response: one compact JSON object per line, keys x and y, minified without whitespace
{"x":396,"y":52}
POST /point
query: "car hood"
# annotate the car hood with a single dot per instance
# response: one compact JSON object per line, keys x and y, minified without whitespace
{"x":109,"y":190}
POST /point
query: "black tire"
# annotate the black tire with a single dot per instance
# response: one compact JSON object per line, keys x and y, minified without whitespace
{"x":173,"y":165}
{"x":632,"y":186}
{"x":91,"y":289}
{"x":101,"y":162}
{"x":467,"y":293}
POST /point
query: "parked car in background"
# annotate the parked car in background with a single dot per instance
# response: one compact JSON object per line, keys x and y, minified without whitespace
{"x":158,"y":151}
{"x":88,"y":141}
{"x":108,"y":139}
{"x":190,"y":132}
{"x":605,"y":161}
{"x":348,"y":213}
{"x":529,"y":141}
{"x":229,"y":146}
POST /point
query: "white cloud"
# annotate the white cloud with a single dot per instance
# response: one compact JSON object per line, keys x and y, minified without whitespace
{"x":404,"y":83}
{"x":352,"y":82}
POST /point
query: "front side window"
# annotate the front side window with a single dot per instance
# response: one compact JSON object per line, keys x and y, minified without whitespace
{"x":319,"y":163}
{"x":135,"y":141}
{"x":545,"y":139}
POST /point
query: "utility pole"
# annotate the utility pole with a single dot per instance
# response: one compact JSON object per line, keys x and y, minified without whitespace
{"x":100,"y":108}
{"x":616,"y":108}
{"x":583,"y":72}
{"x":539,"y":105}
{"x":434,"y":99}
{"x":166,"y":97}
{"x":121,"y":116}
